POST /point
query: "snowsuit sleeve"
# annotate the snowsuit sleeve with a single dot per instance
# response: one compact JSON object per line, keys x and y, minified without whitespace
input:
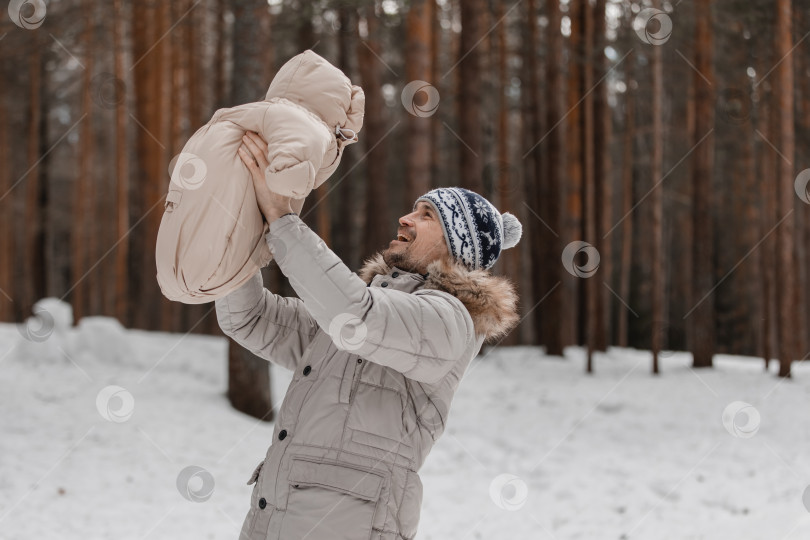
{"x":420,"y":334}
{"x":270,"y":326}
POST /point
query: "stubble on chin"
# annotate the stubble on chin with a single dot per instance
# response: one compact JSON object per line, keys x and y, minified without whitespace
{"x":401,"y":260}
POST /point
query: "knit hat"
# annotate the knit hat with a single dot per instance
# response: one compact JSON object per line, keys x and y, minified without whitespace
{"x":474,"y":229}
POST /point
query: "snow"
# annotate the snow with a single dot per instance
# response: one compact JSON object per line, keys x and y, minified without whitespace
{"x":98,"y":423}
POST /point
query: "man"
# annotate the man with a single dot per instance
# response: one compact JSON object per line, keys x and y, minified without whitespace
{"x":377,"y":359}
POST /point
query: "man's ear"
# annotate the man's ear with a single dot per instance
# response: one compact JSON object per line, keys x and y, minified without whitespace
{"x":357,"y":109}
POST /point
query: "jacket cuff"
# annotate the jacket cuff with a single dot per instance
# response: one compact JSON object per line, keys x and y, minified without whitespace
{"x":283,"y":222}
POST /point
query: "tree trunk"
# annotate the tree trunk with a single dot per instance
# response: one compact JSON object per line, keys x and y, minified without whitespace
{"x":787,"y":310}
{"x":248,"y":375}
{"x":469,"y":117}
{"x":591,"y":285}
{"x":345,"y":243}
{"x":379,"y":229}
{"x":6,"y":215}
{"x":83,"y":196}
{"x":702,"y":318}
{"x":657,"y":204}
{"x":249,"y":383}
{"x":550,"y":185}
{"x":573,"y":226}
{"x":534,"y":172}
{"x":602,"y":177}
{"x":121,"y":311}
{"x":418,"y":68}
{"x":628,"y":140}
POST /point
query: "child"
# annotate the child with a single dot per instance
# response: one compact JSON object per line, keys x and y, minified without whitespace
{"x":211,"y":237}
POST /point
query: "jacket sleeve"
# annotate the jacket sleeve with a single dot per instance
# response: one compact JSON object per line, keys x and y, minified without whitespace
{"x":270,"y":326}
{"x":420,"y":334}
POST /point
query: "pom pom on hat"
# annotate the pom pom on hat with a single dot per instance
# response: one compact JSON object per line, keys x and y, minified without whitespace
{"x":512,"y":230}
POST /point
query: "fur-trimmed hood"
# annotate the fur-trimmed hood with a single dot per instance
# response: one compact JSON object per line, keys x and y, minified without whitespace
{"x":490,"y":299}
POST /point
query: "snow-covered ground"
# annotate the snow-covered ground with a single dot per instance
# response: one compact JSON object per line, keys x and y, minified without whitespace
{"x":98,"y":424}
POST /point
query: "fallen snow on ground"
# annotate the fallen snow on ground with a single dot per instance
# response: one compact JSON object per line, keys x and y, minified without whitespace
{"x":97,"y":423}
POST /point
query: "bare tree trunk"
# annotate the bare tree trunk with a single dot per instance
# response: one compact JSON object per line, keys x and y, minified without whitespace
{"x":83,"y":196}
{"x":6,"y":215}
{"x":602,"y":177}
{"x":628,"y":140}
{"x":178,"y":115}
{"x":787,"y":310}
{"x":249,"y":383}
{"x":346,"y":242}
{"x":248,"y":375}
{"x":505,"y":183}
{"x":767,"y":178}
{"x":122,"y":175}
{"x":657,"y":203}
{"x":221,"y":93}
{"x":591,"y":290}
{"x":378,"y":227}
{"x":534,"y":118}
{"x":418,"y":68}
{"x":702,"y":318}
{"x":573,"y":226}
{"x":435,"y":79}
{"x":470,"y":97}
{"x":551,"y":184}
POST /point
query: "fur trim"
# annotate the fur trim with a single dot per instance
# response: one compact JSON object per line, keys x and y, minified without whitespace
{"x":490,"y":299}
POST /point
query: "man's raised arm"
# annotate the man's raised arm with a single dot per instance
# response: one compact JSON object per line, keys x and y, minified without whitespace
{"x":273,"y":327}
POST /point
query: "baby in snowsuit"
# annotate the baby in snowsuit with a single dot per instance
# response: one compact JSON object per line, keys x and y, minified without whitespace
{"x":211,"y":237}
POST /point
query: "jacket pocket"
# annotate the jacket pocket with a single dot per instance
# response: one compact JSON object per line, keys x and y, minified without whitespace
{"x":329,"y":499}
{"x":391,"y":446}
{"x":255,"y":475}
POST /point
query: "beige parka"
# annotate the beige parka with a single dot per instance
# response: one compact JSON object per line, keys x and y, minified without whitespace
{"x":377,"y":357}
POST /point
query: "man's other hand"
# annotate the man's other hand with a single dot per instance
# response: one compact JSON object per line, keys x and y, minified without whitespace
{"x":253,"y":152}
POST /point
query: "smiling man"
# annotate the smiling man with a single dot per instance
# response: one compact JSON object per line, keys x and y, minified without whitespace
{"x":377,"y":357}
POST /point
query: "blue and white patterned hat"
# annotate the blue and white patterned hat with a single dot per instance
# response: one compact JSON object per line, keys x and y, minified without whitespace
{"x":474,"y":229}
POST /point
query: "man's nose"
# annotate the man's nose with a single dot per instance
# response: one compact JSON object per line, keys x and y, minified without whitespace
{"x":406,"y":220}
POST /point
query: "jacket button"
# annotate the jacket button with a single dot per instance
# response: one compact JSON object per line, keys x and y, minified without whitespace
{"x":359,"y":360}
{"x":282,"y":434}
{"x":262,"y":503}
{"x":307,"y":370}
{"x":395,"y":274}
{"x":384,"y":284}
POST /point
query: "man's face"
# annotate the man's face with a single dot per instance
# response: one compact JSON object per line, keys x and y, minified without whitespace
{"x":420,"y":240}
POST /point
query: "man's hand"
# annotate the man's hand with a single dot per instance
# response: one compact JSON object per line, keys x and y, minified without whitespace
{"x":254,"y":154}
